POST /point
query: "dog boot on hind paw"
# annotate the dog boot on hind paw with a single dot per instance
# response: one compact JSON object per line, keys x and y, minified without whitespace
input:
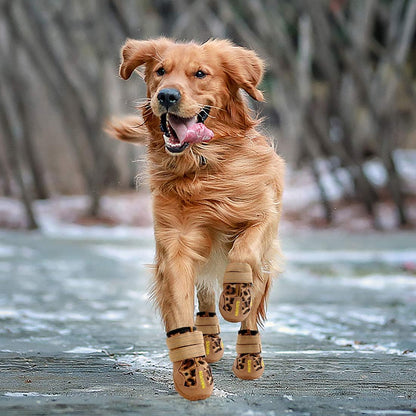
{"x":192,"y":375}
{"x":235,"y":300}
{"x":208,"y":324}
{"x":249,"y":364}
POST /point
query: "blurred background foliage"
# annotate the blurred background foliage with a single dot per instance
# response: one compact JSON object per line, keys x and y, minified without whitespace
{"x":340,"y":89}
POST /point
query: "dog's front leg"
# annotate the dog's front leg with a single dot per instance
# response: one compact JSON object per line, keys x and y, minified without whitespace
{"x":179,"y":251}
{"x":174,"y":285}
{"x":253,"y":244}
{"x":251,"y":250}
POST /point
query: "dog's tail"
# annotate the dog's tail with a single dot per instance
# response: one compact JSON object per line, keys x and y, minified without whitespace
{"x":130,"y":129}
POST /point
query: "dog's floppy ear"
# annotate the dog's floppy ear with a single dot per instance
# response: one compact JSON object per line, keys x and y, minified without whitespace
{"x":138,"y":52}
{"x":242,"y":66}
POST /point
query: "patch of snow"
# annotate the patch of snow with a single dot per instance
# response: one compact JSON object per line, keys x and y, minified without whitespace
{"x":84,"y":350}
{"x":378,"y":281}
{"x":128,"y":254}
{"x":145,"y":360}
{"x":349,"y":256}
{"x":292,"y":330}
{"x":129,"y":215}
{"x":91,"y":390}
{"x":8,"y":314}
{"x":368,"y":318}
{"x":60,"y":214}
{"x":28,"y":394}
{"x":81,"y":232}
{"x":258,"y":413}
{"x":61,"y":316}
{"x":324,"y":353}
{"x":301,"y":198}
{"x":344,"y":342}
{"x":221,"y":393}
{"x":12,"y":213}
{"x":113,"y":316}
{"x":375,"y":172}
{"x":406,"y":163}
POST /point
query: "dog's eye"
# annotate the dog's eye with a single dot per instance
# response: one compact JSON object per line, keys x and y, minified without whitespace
{"x":200,"y":74}
{"x":161,"y":71}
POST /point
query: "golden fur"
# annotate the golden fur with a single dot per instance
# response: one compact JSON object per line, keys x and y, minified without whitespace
{"x":217,"y":201}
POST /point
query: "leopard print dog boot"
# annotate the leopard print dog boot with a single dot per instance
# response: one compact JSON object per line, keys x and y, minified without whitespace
{"x":192,"y":375}
{"x":208,"y":324}
{"x":235,"y":300}
{"x":249,"y":363}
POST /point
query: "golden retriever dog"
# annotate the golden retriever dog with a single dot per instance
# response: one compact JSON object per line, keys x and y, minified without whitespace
{"x":216,"y":185}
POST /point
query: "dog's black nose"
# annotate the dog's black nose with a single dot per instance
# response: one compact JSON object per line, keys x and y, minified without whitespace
{"x":168,"y":97}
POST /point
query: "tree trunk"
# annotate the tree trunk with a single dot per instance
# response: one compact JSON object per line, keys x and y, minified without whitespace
{"x":12,"y":154}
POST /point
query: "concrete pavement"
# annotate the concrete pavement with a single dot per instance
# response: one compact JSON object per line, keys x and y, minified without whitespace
{"x":79,"y":336}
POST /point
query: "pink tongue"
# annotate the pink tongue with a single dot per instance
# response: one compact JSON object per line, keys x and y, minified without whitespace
{"x":188,"y":130}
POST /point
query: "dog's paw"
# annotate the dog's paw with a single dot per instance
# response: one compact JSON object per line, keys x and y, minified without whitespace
{"x":235,"y":301}
{"x":193,"y":378}
{"x":236,"y":297}
{"x":248,"y":366}
{"x":214,"y":348}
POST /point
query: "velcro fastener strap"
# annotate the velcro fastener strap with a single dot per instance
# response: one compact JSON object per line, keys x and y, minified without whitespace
{"x":244,"y":349}
{"x":248,"y":339}
{"x":206,"y":320}
{"x":184,"y":346}
{"x":248,"y":344}
{"x":184,"y":340}
{"x":207,"y":324}
{"x":183,"y":353}
{"x":238,"y":273}
{"x":209,"y":329}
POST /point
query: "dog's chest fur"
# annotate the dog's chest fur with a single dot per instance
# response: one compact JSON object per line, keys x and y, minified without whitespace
{"x":235,"y":190}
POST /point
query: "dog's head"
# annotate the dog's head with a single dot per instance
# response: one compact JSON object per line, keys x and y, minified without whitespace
{"x":193,"y":88}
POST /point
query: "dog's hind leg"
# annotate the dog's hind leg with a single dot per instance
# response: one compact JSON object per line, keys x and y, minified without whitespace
{"x":207,"y":322}
{"x":249,"y":363}
{"x":206,"y":299}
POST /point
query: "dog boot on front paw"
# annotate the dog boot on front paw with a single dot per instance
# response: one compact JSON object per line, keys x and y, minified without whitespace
{"x":235,"y":300}
{"x":208,"y":324}
{"x":249,"y":364}
{"x":192,"y":375}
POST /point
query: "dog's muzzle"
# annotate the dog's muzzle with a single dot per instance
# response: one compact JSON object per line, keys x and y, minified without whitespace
{"x":179,"y":132}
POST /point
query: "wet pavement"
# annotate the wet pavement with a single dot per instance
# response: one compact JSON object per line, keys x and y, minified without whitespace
{"x":79,"y":336}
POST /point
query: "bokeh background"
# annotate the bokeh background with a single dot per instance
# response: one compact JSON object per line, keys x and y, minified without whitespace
{"x":78,"y":334}
{"x":341,"y":105}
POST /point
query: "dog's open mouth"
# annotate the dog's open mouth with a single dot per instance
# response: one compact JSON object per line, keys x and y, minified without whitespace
{"x":180,"y":132}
